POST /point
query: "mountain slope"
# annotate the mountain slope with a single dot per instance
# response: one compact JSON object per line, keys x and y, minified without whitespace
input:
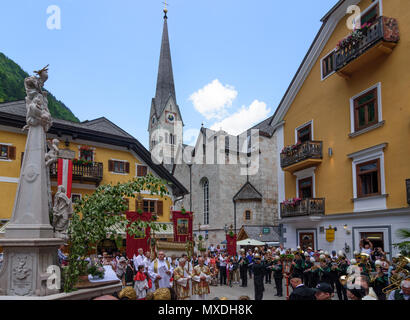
{"x":12,"y":89}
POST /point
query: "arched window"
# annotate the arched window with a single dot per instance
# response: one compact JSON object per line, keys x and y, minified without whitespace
{"x":205,"y":188}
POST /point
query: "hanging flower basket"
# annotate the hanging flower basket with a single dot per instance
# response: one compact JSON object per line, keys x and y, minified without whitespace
{"x":354,"y":38}
{"x":292,"y":202}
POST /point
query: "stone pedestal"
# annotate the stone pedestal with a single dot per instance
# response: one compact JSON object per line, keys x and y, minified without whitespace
{"x":25,"y":263}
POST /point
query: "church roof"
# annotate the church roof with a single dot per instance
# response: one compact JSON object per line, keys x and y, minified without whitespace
{"x":257,"y":233}
{"x":248,"y":193}
{"x":165,"y":80}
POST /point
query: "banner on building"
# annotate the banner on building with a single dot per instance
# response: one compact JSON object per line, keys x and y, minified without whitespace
{"x":182,"y":226}
{"x":141,"y":240}
{"x":65,"y":175}
{"x":231,"y":244}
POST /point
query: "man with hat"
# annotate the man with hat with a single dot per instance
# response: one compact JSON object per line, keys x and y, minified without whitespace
{"x":259,"y":271}
{"x":323,"y":291}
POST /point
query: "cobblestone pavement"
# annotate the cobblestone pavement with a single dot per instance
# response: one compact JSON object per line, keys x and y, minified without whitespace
{"x":234,"y":292}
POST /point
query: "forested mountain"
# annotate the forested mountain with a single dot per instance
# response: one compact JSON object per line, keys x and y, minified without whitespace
{"x":12,"y":89}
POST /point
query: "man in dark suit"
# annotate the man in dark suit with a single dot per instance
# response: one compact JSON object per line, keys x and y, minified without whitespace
{"x":259,"y":271}
{"x":300,"y":291}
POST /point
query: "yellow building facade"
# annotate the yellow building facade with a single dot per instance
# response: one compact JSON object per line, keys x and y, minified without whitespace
{"x":113,"y":156}
{"x":343,"y":127}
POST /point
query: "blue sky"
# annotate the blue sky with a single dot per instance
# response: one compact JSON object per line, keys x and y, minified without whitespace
{"x":232,"y":60}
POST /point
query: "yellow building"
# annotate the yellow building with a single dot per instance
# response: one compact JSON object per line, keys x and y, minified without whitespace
{"x":343,"y":131}
{"x":102,"y":153}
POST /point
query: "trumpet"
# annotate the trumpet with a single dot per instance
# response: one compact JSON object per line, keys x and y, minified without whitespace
{"x":400,"y":274}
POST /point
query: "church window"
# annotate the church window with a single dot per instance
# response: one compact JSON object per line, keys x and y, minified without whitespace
{"x":248,"y":215}
{"x":205,"y":187}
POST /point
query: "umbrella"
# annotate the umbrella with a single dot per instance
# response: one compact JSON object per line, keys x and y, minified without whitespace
{"x":250,"y":242}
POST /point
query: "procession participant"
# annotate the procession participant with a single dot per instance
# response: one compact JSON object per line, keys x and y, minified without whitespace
{"x":139,"y":259}
{"x":141,"y":285}
{"x":160,"y":272}
{"x":268,"y":264}
{"x":334,"y":272}
{"x":201,"y":277}
{"x":282,"y":249}
{"x":307,"y":274}
{"x":342,"y":271}
{"x":314,"y":277}
{"x":278,"y":275}
{"x":121,"y":267}
{"x":147,"y":261}
{"x":300,"y":291}
{"x":243,"y":268}
{"x":403,"y":293}
{"x":235,"y":270}
{"x":380,"y":281}
{"x":259,"y":271}
{"x":229,"y":271}
{"x":181,"y":280}
{"x":309,"y":251}
{"x":298,"y":265}
{"x":173,"y":261}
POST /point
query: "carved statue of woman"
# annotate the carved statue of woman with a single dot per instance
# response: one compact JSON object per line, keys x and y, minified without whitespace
{"x":62,"y":212}
{"x":36,"y":101}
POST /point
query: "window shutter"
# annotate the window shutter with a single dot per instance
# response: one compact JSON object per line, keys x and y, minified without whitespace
{"x":127,"y":167}
{"x":12,"y":153}
{"x":138,"y":171}
{"x":160,"y":209}
{"x":110,"y":165}
{"x":144,"y":170}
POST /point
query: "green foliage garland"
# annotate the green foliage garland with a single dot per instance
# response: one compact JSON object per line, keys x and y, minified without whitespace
{"x":101,"y":214}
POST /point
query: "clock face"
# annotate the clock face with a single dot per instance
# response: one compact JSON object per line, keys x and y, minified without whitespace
{"x":170,"y":116}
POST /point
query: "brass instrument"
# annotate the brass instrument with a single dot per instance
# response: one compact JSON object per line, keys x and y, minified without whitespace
{"x":400,"y":274}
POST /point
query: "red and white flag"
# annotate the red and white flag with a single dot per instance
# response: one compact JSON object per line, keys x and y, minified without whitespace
{"x":65,"y":175}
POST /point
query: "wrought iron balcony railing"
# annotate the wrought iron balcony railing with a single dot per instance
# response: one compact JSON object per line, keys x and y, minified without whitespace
{"x":304,"y":207}
{"x":384,"y":29}
{"x":83,"y":172}
{"x":300,"y":152}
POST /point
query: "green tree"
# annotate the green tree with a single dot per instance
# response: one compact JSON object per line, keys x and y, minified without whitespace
{"x":97,"y":214}
{"x":403,"y":246}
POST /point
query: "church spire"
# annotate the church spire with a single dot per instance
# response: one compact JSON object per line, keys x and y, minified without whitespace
{"x":165,"y":80}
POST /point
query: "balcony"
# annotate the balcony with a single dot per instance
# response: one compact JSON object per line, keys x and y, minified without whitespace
{"x":301,"y":156}
{"x":304,"y":207}
{"x":378,"y":40}
{"x":83,"y":172}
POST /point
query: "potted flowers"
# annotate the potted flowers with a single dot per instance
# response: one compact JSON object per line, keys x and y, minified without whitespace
{"x":96,"y":271}
{"x":354,"y":38}
{"x":292,"y":202}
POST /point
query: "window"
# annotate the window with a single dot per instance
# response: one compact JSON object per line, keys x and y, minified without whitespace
{"x":205,"y":188}
{"x":141,"y":171}
{"x":248,"y":215}
{"x":86,"y":153}
{"x":366,"y":110}
{"x":172,"y":138}
{"x":118,"y":166}
{"x":305,"y":134}
{"x":306,"y":188}
{"x":75,"y":198}
{"x":7,"y":152}
{"x":328,"y":65}
{"x":368,"y":178}
{"x":370,"y":15}
{"x":153,"y":206}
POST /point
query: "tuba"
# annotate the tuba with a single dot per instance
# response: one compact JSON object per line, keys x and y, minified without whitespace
{"x":401,"y":273}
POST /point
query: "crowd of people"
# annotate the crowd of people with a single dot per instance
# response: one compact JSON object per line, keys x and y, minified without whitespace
{"x":296,"y":274}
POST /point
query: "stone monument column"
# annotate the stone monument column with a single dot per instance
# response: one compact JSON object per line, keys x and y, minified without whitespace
{"x":29,"y":244}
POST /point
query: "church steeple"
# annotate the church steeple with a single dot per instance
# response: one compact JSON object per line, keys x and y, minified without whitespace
{"x":165,"y":80}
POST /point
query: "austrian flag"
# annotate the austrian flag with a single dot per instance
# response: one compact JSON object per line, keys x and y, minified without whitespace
{"x":65,"y":175}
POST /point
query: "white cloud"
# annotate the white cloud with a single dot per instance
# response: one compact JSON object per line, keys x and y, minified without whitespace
{"x":213,"y":100}
{"x":190,"y":136}
{"x":243,"y":119}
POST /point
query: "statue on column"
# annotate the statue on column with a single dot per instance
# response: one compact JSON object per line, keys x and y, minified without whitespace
{"x":36,"y":101}
{"x":62,"y":212}
{"x":52,"y":154}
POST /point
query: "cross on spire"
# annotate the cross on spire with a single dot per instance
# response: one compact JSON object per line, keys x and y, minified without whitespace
{"x":165,"y":8}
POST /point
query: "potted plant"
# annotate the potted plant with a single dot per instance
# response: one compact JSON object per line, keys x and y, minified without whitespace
{"x":96,"y":271}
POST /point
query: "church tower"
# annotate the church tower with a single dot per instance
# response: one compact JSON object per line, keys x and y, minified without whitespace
{"x":165,"y":121}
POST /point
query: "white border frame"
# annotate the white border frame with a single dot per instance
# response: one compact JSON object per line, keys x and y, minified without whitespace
{"x":303,"y":174}
{"x":302,"y":126}
{"x":321,"y":65}
{"x":379,"y":105}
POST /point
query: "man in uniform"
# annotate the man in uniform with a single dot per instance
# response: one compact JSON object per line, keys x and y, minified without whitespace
{"x":243,"y":268}
{"x":403,"y":294}
{"x":278,"y":275}
{"x":259,"y":271}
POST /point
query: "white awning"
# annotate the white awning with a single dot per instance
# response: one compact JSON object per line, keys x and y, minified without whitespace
{"x":250,"y":242}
